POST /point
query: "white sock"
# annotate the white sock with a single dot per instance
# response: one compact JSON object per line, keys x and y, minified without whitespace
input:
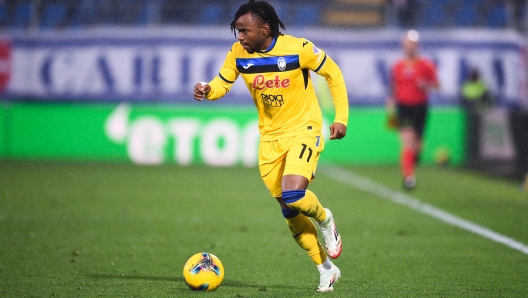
{"x":326,"y":265}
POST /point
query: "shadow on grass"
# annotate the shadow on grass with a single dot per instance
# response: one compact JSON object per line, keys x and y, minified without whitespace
{"x":225,"y":283}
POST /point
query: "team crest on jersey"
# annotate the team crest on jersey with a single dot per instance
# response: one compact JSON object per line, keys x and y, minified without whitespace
{"x":281,"y":63}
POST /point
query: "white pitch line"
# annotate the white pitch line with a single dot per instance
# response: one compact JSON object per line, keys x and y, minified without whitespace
{"x":355,"y":180}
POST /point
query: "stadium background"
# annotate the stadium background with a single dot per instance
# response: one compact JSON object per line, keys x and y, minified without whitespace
{"x":91,"y":91}
{"x":67,"y":65}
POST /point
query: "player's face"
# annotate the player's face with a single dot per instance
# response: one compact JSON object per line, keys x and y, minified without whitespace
{"x":410,"y":47}
{"x":252,"y":34}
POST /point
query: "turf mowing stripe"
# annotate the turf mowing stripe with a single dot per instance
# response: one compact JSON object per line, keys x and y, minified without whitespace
{"x":368,"y":185}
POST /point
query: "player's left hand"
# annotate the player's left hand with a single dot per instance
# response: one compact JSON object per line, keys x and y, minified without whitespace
{"x":337,"y":131}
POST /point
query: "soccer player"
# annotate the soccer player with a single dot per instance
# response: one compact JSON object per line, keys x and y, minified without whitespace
{"x":412,"y":77}
{"x":276,"y":70}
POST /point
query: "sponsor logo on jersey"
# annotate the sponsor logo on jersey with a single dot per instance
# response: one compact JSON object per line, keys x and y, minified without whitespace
{"x":248,"y":65}
{"x":281,"y":63}
{"x":272,"y":100}
{"x":260,"y":82}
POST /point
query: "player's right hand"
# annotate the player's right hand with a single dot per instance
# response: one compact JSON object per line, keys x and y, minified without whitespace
{"x":390,"y":104}
{"x":200,"y":90}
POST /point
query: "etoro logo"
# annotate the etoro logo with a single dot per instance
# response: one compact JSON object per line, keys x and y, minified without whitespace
{"x":152,"y":140}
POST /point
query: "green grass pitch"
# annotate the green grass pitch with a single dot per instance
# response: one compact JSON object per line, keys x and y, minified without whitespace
{"x":78,"y":229}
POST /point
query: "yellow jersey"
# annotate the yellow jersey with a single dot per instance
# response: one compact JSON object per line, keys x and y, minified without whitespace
{"x":280,"y":84}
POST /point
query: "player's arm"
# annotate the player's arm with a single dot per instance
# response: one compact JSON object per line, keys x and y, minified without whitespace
{"x":390,"y":100}
{"x":315,"y":59}
{"x":431,"y":80}
{"x":221,"y":84}
{"x":336,"y":84}
{"x":434,"y":82}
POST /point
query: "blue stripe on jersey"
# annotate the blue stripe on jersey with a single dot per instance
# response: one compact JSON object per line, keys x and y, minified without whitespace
{"x":247,"y":63}
{"x":291,"y":196}
{"x":289,"y":213}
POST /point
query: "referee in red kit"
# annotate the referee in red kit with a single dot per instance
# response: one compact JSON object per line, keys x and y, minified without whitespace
{"x":412,"y":77}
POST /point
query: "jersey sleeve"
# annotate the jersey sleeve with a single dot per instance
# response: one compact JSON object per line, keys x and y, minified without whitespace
{"x":393,"y":73}
{"x":316,"y":60}
{"x":311,"y":57}
{"x":430,"y":72}
{"x":225,"y":79}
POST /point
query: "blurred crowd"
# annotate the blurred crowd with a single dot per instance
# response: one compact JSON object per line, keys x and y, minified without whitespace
{"x":460,"y":13}
{"x":22,"y":14}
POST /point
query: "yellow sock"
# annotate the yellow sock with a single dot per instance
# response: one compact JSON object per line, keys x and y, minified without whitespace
{"x":305,"y":234}
{"x":306,"y":203}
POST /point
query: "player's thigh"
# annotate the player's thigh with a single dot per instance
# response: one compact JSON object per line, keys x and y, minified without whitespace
{"x":272,"y":160}
{"x":405,"y":116}
{"x":412,"y":117}
{"x":420,"y":117}
{"x":303,"y":156}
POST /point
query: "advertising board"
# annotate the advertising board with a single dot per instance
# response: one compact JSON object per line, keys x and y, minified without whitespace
{"x":214,"y":135}
{"x":162,"y":65}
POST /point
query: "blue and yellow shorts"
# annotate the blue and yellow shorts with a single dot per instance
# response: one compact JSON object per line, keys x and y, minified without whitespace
{"x":296,"y":155}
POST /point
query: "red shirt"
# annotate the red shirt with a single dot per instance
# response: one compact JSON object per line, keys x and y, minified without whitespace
{"x":406,"y":76}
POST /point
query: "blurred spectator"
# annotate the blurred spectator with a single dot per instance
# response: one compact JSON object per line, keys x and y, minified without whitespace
{"x":23,"y":14}
{"x":474,"y":92}
{"x":518,"y":9}
{"x":406,"y":11}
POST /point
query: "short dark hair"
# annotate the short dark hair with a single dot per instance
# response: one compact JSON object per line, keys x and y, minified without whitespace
{"x":262,"y":10}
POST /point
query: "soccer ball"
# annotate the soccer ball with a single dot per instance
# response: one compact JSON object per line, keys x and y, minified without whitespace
{"x":203,"y":272}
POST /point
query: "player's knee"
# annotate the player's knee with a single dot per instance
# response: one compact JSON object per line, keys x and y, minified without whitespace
{"x":281,"y":203}
{"x":291,"y":196}
{"x":289,"y":213}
